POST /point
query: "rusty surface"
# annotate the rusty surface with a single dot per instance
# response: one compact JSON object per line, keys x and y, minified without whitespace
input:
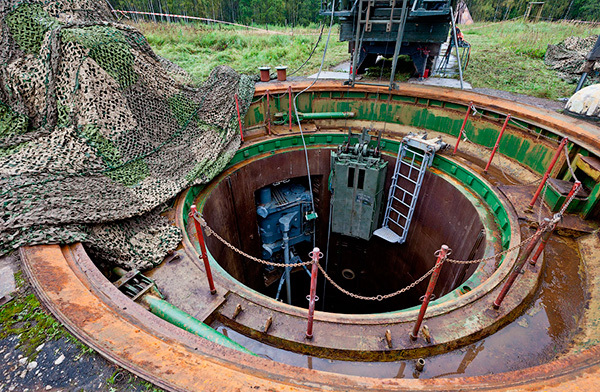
{"x":96,"y":312}
{"x":353,"y":336}
{"x":406,"y":262}
{"x":586,"y":134}
{"x":378,"y":318}
{"x":520,"y":195}
{"x":133,"y":338}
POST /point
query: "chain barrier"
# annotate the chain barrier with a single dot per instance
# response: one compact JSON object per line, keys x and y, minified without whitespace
{"x":495,"y":256}
{"x":210,"y":232}
{"x":380,"y":297}
{"x":569,"y":164}
{"x":569,"y":200}
{"x":515,"y":123}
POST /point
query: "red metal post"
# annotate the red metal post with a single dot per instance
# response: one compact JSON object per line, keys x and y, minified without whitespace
{"x":441,"y":256}
{"x":290,"y":107}
{"x":545,"y":237}
{"x":570,"y":197}
{"x":519,"y":266}
{"x":237,"y":106}
{"x":548,"y":233}
{"x":268,"y":112}
{"x":316,"y":255}
{"x":497,"y":143}
{"x":211,"y":283}
{"x":463,"y":126}
{"x":547,"y":174}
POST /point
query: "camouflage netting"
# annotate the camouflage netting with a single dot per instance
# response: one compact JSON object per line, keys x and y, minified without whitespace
{"x":568,"y":58}
{"x":97,"y":133}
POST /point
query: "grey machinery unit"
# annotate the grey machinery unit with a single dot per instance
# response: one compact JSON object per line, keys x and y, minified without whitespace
{"x":357,"y":181}
{"x":285,"y":218}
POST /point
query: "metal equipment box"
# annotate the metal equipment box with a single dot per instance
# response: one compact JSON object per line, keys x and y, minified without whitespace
{"x":357,"y":181}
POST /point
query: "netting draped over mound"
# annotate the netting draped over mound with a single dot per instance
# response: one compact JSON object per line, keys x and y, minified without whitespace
{"x":97,"y":132}
{"x":568,"y":58}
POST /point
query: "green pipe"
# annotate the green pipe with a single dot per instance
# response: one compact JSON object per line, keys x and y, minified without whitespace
{"x":282,"y":117}
{"x":181,"y":319}
{"x":325,"y":115}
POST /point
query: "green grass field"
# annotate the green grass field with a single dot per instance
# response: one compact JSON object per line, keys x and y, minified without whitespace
{"x":509,"y":56}
{"x":198,"y":50}
{"x":506,"y":56}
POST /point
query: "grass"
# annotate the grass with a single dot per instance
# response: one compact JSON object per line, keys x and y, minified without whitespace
{"x":506,"y":56}
{"x":26,"y":318}
{"x":509,"y":56}
{"x":200,"y":49}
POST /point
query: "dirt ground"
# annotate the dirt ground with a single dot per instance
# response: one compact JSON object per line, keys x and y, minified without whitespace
{"x":58,"y":362}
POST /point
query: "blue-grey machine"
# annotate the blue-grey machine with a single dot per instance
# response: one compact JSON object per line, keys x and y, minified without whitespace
{"x":285,"y":218}
{"x":357,"y":180}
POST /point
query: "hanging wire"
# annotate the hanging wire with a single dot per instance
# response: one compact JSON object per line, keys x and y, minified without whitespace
{"x":312,"y":51}
{"x":312,"y":199}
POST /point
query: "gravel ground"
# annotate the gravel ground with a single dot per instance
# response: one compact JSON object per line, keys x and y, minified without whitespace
{"x":56,"y":364}
{"x":539,"y":102}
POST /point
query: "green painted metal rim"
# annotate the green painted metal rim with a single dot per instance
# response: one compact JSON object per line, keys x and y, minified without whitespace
{"x":473,"y":182}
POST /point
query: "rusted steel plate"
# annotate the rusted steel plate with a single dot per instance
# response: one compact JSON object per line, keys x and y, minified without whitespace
{"x":520,"y":196}
{"x":586,"y":134}
{"x":131,"y":337}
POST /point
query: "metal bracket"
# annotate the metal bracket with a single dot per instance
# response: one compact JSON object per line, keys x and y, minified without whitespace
{"x":388,"y":26}
{"x":133,"y":284}
{"x":368,"y":23}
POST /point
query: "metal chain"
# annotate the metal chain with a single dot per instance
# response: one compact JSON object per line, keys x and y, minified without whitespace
{"x":210,"y":231}
{"x":542,"y":203}
{"x":492,"y":257}
{"x":569,"y":200}
{"x":515,"y":123}
{"x":569,"y":163}
{"x":379,"y":297}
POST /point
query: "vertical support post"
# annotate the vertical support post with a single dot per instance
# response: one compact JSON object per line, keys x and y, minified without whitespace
{"x":286,"y":258}
{"x":200,"y":234}
{"x":315,"y":255}
{"x":441,"y":256}
{"x":497,"y":143}
{"x":399,"y":39}
{"x":519,"y":266}
{"x":548,"y":233}
{"x":570,"y":197}
{"x":462,"y":129}
{"x":290,"y":107}
{"x":545,"y":237}
{"x":456,"y":46}
{"x":237,"y":106}
{"x":547,"y":174}
{"x":357,"y":45}
{"x":268,"y":113}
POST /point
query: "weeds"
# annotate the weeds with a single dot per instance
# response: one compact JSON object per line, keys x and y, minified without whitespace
{"x":200,"y":49}
{"x":509,"y":56}
{"x":25,"y":318}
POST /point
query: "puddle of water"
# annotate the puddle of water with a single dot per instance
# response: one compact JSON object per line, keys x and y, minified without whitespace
{"x":536,"y":337}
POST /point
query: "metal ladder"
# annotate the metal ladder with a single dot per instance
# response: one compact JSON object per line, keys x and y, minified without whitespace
{"x":402,"y":198}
